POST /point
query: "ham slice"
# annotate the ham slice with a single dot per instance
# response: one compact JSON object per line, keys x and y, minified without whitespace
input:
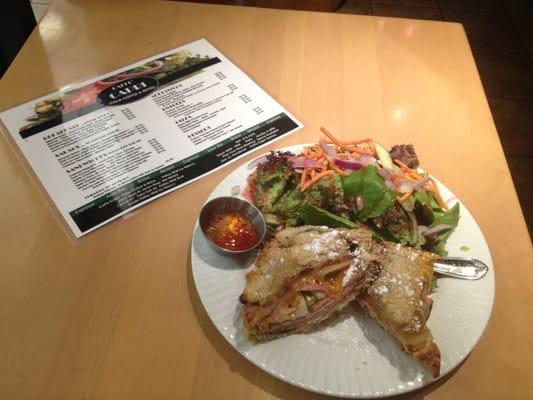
{"x":305,"y":259}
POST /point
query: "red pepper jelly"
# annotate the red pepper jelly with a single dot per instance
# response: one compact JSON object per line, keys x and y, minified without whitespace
{"x":232,"y":231}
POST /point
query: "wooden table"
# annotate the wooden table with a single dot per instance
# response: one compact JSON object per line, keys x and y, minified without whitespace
{"x":115,"y":315}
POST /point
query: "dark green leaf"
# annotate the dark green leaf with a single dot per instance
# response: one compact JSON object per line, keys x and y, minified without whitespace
{"x":367,"y":184}
{"x":313,"y":215}
{"x":450,"y":217}
{"x":437,"y":243}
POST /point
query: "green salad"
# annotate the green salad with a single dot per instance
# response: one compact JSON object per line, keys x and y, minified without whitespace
{"x":344,"y":184}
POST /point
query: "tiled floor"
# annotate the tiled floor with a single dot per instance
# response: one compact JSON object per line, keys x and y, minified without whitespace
{"x":500,"y":33}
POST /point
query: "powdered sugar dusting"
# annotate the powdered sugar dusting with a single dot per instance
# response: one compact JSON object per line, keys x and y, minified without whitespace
{"x":354,"y":266}
{"x":381,"y":290}
{"x":318,"y":243}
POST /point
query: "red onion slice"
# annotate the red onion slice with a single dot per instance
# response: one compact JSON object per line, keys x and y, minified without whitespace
{"x":346,"y":164}
{"x":436,"y":229}
{"x":304,"y":162}
{"x":328,"y":151}
{"x":367,"y":159}
{"x":407,"y":185}
{"x":402,"y":185}
{"x":387,"y":175}
{"x":350,"y":163}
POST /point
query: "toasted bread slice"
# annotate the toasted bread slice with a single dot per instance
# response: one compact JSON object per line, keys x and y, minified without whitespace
{"x":303,"y":276}
{"x":398,"y":300}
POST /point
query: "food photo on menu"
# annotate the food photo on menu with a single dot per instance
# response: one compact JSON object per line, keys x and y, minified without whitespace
{"x":73,"y":103}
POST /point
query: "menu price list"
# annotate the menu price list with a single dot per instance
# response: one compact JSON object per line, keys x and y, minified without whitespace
{"x":161,"y":181}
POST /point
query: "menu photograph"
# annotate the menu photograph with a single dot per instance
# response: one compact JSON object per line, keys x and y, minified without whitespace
{"x":111,"y":144}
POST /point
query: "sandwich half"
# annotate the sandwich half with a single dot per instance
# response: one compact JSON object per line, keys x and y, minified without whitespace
{"x":398,"y":300}
{"x":303,"y":276}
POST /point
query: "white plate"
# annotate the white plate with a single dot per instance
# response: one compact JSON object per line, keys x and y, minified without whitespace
{"x":351,"y":356}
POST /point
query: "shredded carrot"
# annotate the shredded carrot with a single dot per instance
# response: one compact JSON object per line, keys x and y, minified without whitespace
{"x":401,"y":164}
{"x":409,"y":173}
{"x":334,"y":139}
{"x":362,"y":151}
{"x":433,"y":187}
{"x":338,"y":170}
{"x":303,"y":177}
{"x":351,"y":142}
{"x":367,"y":140}
{"x":372,"y":146}
{"x":415,"y":175}
{"x":405,"y":196}
{"x":315,"y":179}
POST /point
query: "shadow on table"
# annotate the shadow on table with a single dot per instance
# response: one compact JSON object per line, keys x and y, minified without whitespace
{"x":255,"y":375}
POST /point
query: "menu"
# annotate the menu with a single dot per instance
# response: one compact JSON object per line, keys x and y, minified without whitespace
{"x":111,"y":144}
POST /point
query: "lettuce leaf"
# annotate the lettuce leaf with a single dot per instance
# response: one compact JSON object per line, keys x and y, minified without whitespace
{"x":367,"y":184}
{"x":437,"y":243}
{"x":313,"y":215}
{"x":278,"y":193}
{"x":399,"y":225}
{"x":269,"y":191}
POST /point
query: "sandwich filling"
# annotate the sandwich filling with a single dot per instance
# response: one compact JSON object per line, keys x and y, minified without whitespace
{"x":306,"y":274}
{"x":303,"y":276}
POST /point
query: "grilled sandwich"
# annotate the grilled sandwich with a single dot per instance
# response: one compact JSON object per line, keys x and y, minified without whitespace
{"x":398,"y":300}
{"x":306,"y":274}
{"x":303,"y":276}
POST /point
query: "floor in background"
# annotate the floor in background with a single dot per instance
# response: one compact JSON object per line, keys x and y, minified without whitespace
{"x":500,"y":33}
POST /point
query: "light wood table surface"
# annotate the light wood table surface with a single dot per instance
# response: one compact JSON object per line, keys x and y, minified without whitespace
{"x":115,"y":315}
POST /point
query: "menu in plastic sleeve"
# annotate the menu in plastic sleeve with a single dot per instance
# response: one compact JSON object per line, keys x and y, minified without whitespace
{"x":106,"y":146}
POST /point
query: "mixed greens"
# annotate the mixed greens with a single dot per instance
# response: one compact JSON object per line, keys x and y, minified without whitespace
{"x":343,"y":184}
